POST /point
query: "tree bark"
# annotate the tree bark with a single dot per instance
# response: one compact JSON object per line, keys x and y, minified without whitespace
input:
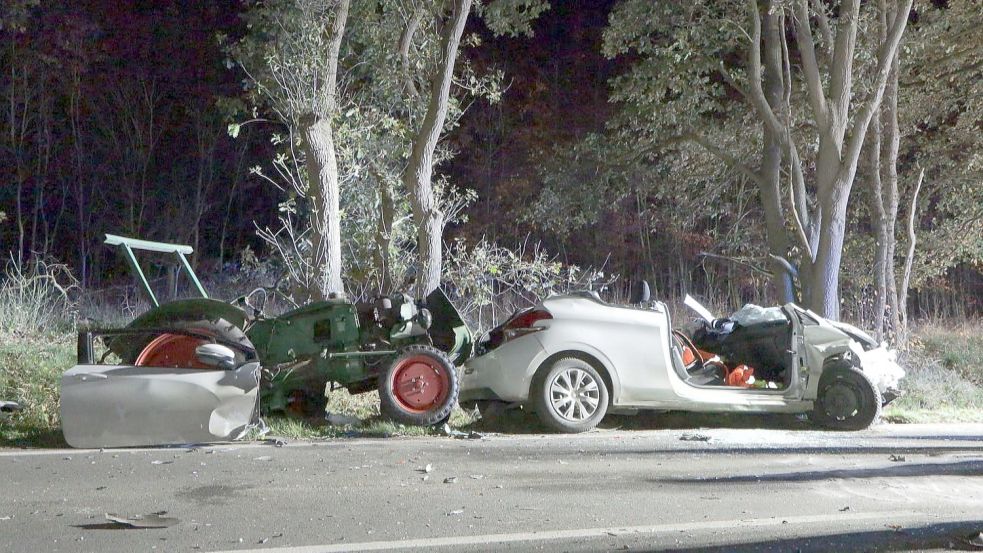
{"x":839,"y":153}
{"x":769,"y":185}
{"x":322,"y":172}
{"x":418,"y":173}
{"x":880,"y":230}
{"x":384,"y":236}
{"x":323,"y":193}
{"x":892,"y":135}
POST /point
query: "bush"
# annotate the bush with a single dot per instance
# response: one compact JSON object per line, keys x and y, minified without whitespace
{"x":36,"y":298}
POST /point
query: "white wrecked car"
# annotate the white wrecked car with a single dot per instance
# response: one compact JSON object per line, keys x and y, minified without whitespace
{"x":574,"y":358}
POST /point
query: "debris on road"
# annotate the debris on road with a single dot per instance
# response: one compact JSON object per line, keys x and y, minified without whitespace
{"x":428,"y":468}
{"x":693,"y":437}
{"x":477,"y":476}
{"x":263,"y":458}
{"x":450,"y":480}
{"x":456,"y":512}
{"x":275,"y":442}
{"x":472,"y":435}
{"x":159,"y":462}
{"x":153,"y":520}
{"x":264,"y":540}
{"x":974,"y":540}
{"x":897,"y":458}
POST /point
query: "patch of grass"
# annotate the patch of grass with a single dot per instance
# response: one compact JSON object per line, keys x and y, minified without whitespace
{"x":957,"y":347}
{"x":944,"y":381}
{"x":30,"y":369}
{"x":364,"y":408}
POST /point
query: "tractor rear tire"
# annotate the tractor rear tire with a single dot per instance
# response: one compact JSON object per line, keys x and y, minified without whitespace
{"x":177,"y":350}
{"x":419,"y":387}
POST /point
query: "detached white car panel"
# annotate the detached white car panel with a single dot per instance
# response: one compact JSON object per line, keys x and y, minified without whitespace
{"x":123,"y":406}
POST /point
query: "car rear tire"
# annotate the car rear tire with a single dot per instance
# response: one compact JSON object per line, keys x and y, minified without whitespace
{"x":571,"y":396}
{"x":420,"y":387}
{"x":847,"y":399}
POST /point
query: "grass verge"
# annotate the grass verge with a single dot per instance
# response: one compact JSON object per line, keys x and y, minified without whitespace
{"x":30,"y":369}
{"x":944,"y":381}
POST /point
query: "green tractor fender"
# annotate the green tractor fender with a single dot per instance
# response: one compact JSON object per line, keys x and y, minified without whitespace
{"x":165,"y":315}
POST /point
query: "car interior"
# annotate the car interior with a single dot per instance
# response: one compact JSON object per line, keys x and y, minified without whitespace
{"x":726,"y":353}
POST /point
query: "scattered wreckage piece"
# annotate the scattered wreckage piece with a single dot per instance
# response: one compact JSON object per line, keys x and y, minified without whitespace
{"x":574,"y":358}
{"x":143,"y":522}
{"x":8,"y":408}
{"x":124,"y":406}
{"x":172,"y":360}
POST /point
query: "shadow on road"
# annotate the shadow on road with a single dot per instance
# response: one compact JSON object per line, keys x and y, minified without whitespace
{"x":896,"y":470}
{"x":524,"y":421}
{"x":950,"y":536}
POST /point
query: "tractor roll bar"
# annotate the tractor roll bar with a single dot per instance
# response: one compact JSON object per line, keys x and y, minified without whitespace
{"x":130,"y":244}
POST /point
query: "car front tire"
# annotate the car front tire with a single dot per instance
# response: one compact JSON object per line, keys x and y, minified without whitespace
{"x":847,"y":399}
{"x":571,"y":396}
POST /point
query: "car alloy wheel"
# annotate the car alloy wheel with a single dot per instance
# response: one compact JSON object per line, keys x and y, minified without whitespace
{"x":569,"y":394}
{"x":574,"y":394}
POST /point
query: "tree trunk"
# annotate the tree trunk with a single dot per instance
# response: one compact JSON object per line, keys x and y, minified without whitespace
{"x":881,"y":237}
{"x":892,"y":136}
{"x":825,"y":297}
{"x":771,"y":159}
{"x":384,"y":236}
{"x":323,"y":190}
{"x":323,"y":193}
{"x":418,"y":174}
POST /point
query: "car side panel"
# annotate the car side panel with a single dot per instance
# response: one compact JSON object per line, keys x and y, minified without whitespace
{"x":631,"y":343}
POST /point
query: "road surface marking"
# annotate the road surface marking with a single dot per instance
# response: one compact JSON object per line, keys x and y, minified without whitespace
{"x":486,"y":539}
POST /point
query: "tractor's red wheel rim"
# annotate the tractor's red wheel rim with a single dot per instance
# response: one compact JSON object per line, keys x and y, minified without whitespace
{"x":171,"y":351}
{"x":420,"y":383}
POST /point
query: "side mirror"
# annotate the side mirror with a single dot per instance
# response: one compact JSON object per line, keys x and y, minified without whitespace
{"x":216,"y":355}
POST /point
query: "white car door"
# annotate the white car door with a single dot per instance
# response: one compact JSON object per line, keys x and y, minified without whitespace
{"x":123,"y":405}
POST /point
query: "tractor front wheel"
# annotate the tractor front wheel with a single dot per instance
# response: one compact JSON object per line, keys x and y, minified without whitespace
{"x":419,"y":387}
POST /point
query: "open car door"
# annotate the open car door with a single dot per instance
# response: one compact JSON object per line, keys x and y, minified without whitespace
{"x":112,"y":405}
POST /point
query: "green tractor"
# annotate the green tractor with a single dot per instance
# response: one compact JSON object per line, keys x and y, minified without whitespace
{"x":405,"y":349}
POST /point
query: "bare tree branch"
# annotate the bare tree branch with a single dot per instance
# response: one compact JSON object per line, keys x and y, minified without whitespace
{"x":405,"y":41}
{"x":885,"y":59}
{"x":827,"y":33}
{"x":730,"y":160}
{"x":757,"y":95}
{"x":841,"y":67}
{"x":810,"y":68}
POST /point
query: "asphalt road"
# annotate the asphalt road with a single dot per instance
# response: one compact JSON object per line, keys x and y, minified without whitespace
{"x":894,"y":487}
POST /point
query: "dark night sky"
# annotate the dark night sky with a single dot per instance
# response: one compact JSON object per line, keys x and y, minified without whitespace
{"x":557,"y":91}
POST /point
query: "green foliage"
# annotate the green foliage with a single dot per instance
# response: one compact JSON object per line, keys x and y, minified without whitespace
{"x":512,"y":17}
{"x":941,"y":108}
{"x":488,"y":282}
